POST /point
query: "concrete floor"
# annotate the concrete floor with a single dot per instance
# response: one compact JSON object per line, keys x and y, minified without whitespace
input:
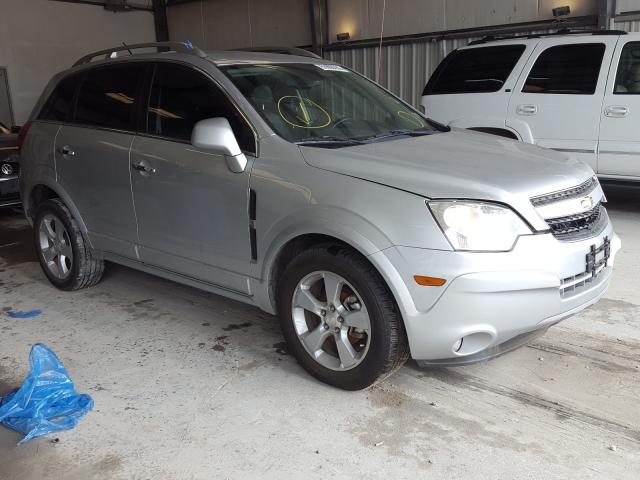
{"x":188,"y":385}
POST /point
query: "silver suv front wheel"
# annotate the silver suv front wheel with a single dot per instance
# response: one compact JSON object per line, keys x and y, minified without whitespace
{"x":331,"y":320}
{"x":339,"y":317}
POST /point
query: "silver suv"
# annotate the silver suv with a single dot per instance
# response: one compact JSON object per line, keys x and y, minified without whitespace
{"x":299,"y":186}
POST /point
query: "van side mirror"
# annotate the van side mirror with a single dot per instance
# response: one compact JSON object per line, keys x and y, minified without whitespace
{"x":215,"y":135}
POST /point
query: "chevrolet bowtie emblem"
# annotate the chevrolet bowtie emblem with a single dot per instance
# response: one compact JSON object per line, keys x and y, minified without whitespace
{"x":587,"y":203}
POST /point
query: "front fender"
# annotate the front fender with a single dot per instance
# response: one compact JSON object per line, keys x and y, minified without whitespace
{"x":332,"y":221}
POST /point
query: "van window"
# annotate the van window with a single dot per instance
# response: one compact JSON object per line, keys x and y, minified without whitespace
{"x":181,"y":97}
{"x":59,"y":105}
{"x":566,"y":69}
{"x":628,"y":75}
{"x":474,"y":70}
{"x":107,"y":96}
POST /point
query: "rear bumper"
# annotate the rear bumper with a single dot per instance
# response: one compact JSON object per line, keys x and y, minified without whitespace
{"x":492,"y":301}
{"x":9,"y":191}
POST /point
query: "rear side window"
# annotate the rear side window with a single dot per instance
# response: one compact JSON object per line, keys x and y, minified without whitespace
{"x":566,"y":69}
{"x":474,"y":70}
{"x":181,"y":97}
{"x":628,"y":74}
{"x":59,"y":105}
{"x":107,"y":96}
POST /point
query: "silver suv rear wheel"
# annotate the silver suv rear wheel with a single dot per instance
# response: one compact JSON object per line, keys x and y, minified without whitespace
{"x":65,"y":256}
{"x":55,"y":246}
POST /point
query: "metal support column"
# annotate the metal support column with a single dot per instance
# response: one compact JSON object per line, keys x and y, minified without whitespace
{"x":319,"y":24}
{"x":606,"y":11}
{"x":160,"y":20}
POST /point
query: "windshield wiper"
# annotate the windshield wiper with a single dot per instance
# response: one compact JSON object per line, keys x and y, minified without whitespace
{"x":401,"y":132}
{"x":328,"y":140}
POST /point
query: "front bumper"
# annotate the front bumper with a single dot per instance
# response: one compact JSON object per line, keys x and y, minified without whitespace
{"x":9,"y":191}
{"x":492,"y":301}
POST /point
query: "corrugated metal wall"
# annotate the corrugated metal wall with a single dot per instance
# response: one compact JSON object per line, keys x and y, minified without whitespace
{"x":627,"y":26}
{"x":405,"y":67}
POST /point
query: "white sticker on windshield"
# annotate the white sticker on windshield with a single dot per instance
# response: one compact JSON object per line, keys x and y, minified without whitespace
{"x":331,"y":67}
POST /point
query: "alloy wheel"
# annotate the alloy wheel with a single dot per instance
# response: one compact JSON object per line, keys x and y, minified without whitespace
{"x":55,"y":246}
{"x":331,"y":320}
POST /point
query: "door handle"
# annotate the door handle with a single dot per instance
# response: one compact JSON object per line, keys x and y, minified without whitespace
{"x":66,"y":150}
{"x":141,"y":167}
{"x":616,"y":111}
{"x":526,"y":110}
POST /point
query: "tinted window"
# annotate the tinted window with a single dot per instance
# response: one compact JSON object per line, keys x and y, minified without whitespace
{"x":59,"y":105}
{"x":568,"y":69}
{"x":474,"y":70}
{"x":181,"y":97}
{"x":628,"y":75}
{"x":107,"y":96}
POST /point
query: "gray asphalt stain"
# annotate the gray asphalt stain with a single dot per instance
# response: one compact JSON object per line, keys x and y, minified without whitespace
{"x":236,"y":326}
{"x":407,"y":427}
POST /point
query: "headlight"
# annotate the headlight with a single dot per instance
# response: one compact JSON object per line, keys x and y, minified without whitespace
{"x":479,"y":226}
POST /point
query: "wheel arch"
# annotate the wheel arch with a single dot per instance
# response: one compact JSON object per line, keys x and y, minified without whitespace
{"x":40,"y":192}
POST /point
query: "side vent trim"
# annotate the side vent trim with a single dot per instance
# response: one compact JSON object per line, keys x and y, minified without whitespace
{"x":253,"y":236}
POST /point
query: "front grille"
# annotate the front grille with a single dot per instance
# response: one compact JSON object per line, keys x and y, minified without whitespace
{"x":596,"y":260}
{"x":578,"y":226}
{"x":10,"y":197}
{"x":571,"y":286}
{"x":567,"y":194}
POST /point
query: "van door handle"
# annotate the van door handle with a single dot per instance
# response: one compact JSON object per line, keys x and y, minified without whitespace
{"x":616,"y":111}
{"x":66,"y":150}
{"x":141,"y":167}
{"x":526,"y":110}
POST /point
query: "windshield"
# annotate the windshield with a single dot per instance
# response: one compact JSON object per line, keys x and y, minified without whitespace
{"x":324,"y":103}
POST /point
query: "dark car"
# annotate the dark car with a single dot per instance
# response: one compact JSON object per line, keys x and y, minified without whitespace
{"x":9,"y":167}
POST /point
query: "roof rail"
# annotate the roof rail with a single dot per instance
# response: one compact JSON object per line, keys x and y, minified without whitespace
{"x":564,"y":31}
{"x":182,"y":47}
{"x":281,"y":50}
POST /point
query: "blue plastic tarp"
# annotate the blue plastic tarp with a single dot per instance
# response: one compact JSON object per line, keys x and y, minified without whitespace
{"x":47,"y":401}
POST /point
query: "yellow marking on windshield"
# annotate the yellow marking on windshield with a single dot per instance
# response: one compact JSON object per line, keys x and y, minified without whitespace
{"x":304,"y":104}
{"x":307,"y":118}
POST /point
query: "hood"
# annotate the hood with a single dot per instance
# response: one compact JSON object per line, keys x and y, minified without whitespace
{"x":458,"y":164}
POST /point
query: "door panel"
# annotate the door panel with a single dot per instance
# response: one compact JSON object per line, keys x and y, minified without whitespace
{"x":619,"y":147}
{"x":559,"y":94}
{"x":192,"y":212}
{"x":92,"y":155}
{"x":191,"y":209}
{"x":95,"y":172}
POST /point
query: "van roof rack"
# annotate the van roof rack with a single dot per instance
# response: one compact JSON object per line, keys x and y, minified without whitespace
{"x":181,"y":47}
{"x":563,"y":31}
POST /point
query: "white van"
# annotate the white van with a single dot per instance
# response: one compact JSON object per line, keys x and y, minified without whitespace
{"x":572,"y":92}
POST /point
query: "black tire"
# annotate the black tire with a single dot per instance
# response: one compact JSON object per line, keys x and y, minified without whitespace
{"x":388,"y":349}
{"x":86,"y":270}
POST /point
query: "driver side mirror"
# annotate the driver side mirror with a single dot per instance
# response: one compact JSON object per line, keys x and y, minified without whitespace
{"x":216,"y":136}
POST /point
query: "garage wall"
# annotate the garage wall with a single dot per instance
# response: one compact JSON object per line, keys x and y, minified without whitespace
{"x":39,"y":38}
{"x":362,"y":18}
{"x":224,"y":24}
